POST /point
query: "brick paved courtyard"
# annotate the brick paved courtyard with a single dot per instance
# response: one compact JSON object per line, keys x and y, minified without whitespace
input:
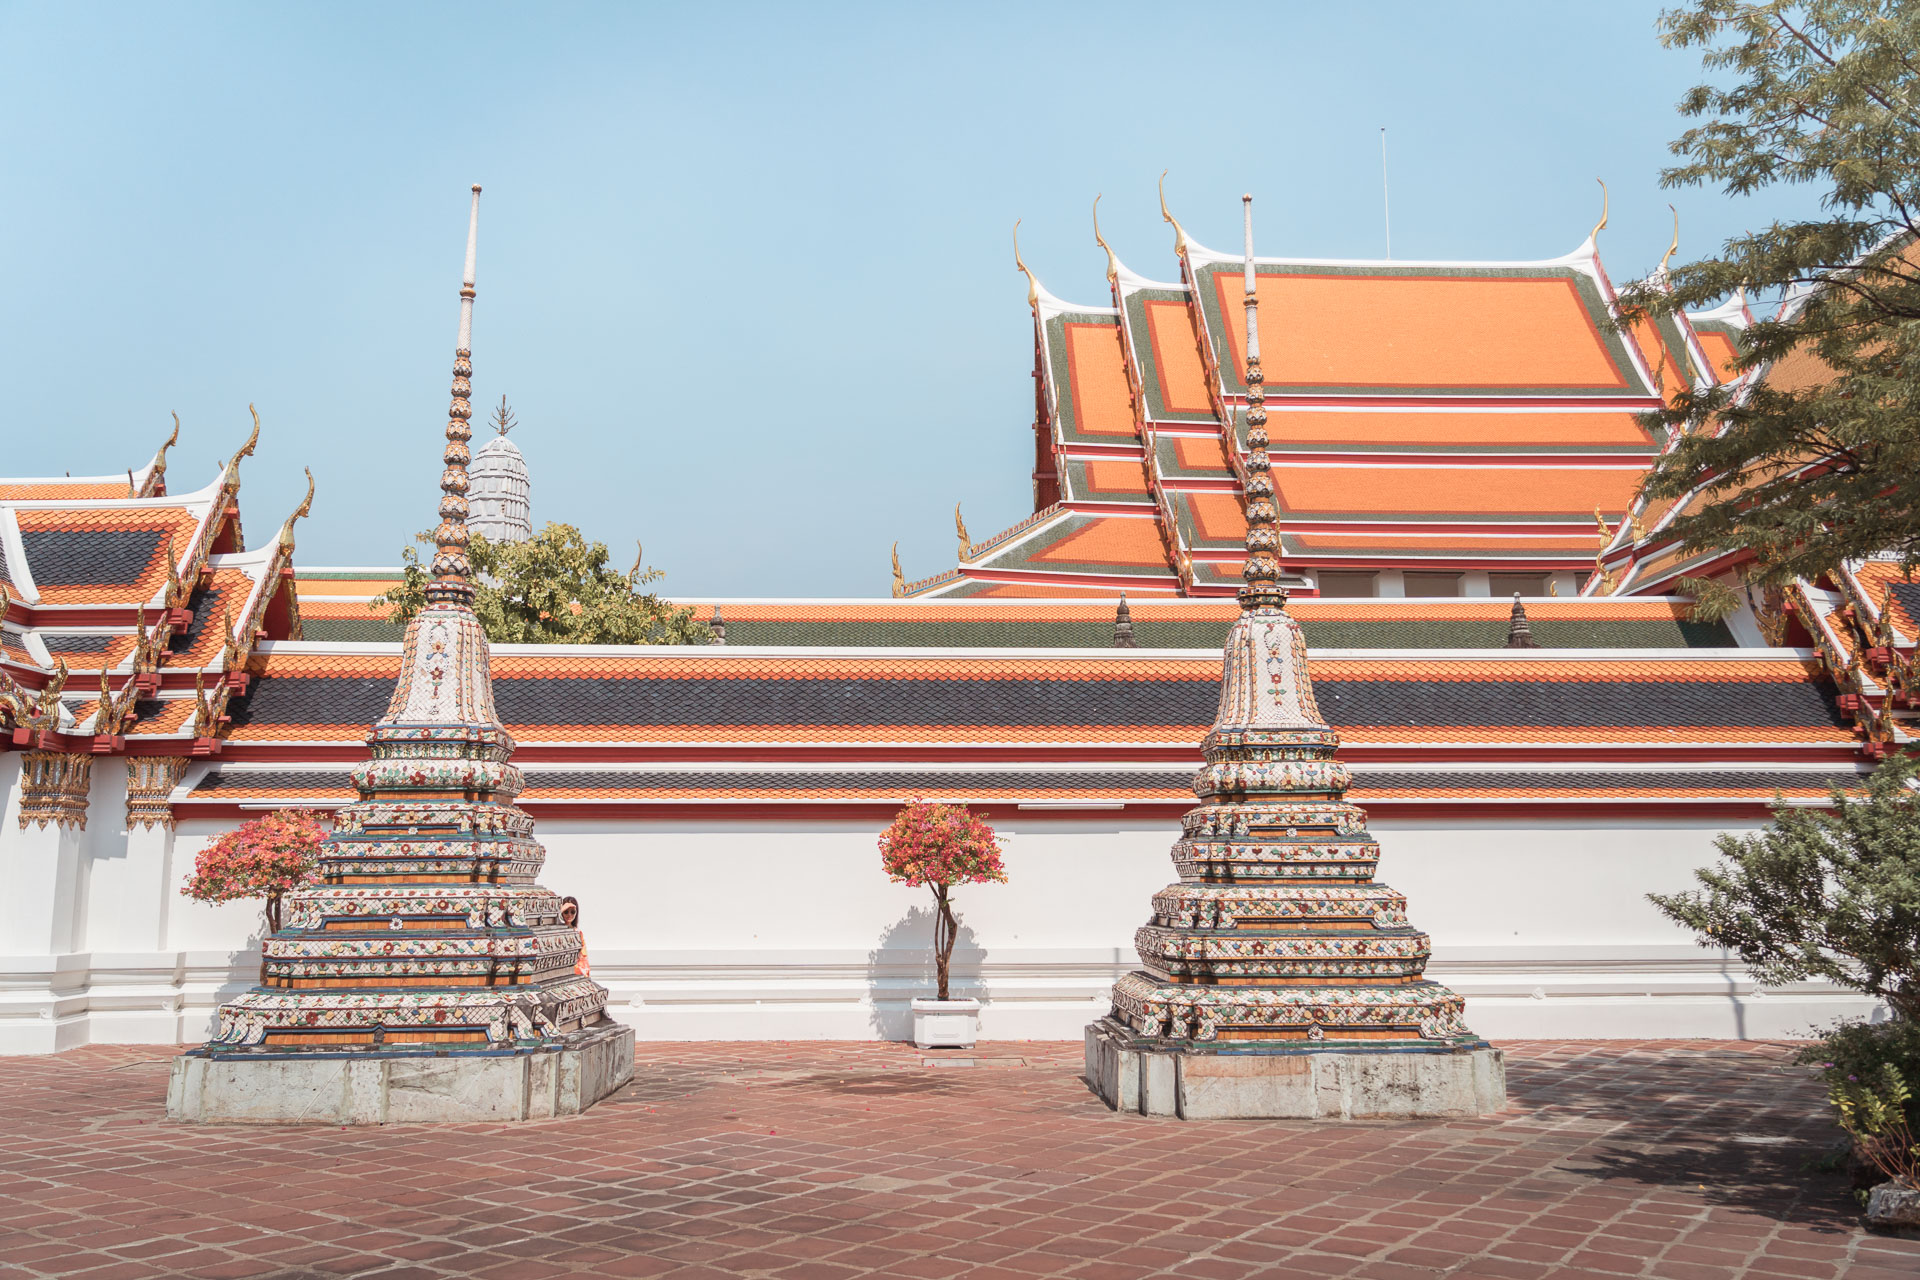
{"x":819,"y":1161}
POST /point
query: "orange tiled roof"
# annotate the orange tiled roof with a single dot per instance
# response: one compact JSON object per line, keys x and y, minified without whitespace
{"x":126,"y":564}
{"x":1421,"y":330}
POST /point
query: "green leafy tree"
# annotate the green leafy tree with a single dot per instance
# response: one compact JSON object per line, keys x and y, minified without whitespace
{"x":1822,"y":893}
{"x":554,"y":588}
{"x":1821,"y":461}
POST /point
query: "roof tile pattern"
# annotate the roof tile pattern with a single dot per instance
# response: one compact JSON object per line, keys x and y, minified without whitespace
{"x":668,"y":696}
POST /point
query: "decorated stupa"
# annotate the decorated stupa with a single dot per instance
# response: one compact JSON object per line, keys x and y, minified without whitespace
{"x":427,"y":976}
{"x":1279,"y":979}
{"x":499,"y":492}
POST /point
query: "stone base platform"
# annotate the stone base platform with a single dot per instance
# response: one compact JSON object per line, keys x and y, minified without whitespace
{"x":243,"y":1086}
{"x":1131,"y":1073}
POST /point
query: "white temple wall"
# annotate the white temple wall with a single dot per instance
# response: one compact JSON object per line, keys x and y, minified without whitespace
{"x":791,"y":931}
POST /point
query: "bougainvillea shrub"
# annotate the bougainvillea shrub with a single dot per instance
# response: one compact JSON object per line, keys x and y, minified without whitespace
{"x":939,"y":846}
{"x":261,"y":858}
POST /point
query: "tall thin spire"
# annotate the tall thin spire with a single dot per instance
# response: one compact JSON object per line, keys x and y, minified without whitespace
{"x":1261,"y":576}
{"x":452,"y":574}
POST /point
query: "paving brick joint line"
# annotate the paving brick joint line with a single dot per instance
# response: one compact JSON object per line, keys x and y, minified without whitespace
{"x":818,"y":1161}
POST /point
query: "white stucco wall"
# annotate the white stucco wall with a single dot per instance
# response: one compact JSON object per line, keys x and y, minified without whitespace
{"x":758,"y":931}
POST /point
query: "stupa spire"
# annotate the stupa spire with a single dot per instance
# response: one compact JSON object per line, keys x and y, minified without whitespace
{"x":427,"y":936}
{"x":452,"y":574}
{"x":1260,"y":577}
{"x":1277,"y":977}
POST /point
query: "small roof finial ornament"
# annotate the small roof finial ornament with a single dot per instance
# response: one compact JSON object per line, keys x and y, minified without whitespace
{"x":1033,"y":286}
{"x":1593,"y":236}
{"x":299,"y":512}
{"x":246,"y":450}
{"x":639,"y":559}
{"x":503,"y":419}
{"x":1260,"y":586}
{"x":452,"y":572}
{"x":1672,"y":248}
{"x":960,"y":532}
{"x":1179,"y":232}
{"x":899,"y":578}
{"x":1519,"y":633}
{"x":717,"y":629}
{"x":1123,"y":626}
{"x":156,"y":482}
{"x":1113,"y":263}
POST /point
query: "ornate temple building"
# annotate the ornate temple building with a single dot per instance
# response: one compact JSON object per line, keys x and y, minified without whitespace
{"x":160,"y":681}
{"x":1437,"y":428}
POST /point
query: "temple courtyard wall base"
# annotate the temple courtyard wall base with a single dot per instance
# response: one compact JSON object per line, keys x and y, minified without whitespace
{"x":244,"y":1087}
{"x":1192,"y":1083}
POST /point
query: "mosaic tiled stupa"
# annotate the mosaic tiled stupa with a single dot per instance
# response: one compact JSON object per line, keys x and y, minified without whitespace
{"x":427,"y":976}
{"x":1279,"y":979}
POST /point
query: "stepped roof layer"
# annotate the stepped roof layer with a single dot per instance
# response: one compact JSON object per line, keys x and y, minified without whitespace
{"x":634,"y":730}
{"x":1422,"y":414}
{"x":109,"y":601}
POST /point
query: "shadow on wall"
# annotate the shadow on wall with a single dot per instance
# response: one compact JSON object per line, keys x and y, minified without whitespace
{"x":900,"y":970}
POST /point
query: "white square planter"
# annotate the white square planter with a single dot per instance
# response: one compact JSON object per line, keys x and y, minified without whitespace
{"x":945,"y":1024}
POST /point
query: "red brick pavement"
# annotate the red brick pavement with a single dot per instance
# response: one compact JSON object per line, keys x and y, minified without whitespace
{"x":809,"y":1161}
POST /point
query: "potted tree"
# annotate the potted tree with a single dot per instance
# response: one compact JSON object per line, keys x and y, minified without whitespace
{"x":940,"y":846}
{"x":261,"y":858}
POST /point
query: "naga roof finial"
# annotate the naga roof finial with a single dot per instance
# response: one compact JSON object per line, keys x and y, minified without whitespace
{"x":306,"y":505}
{"x":899,"y":578}
{"x":246,"y":450}
{"x":156,"y":474}
{"x":1179,"y":232}
{"x":1593,"y":236}
{"x":1672,"y":248}
{"x":1033,"y":286}
{"x":960,"y":531}
{"x":1113,"y":263}
{"x":452,"y":572}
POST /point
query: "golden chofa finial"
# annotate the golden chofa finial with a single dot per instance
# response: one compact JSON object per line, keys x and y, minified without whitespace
{"x":1179,"y":232}
{"x":1601,"y":225}
{"x":1033,"y":286}
{"x":156,"y":474}
{"x":299,"y":512}
{"x":960,"y":531}
{"x":1674,"y":247}
{"x":1113,"y":263}
{"x":246,"y":450}
{"x":899,"y":578}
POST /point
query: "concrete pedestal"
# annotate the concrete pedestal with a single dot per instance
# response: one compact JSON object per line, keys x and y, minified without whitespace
{"x":1207,"y":1083}
{"x":228,"y":1086}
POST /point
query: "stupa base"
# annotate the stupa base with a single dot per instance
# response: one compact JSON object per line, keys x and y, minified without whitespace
{"x":253,"y":1086}
{"x":1221,"y":1082}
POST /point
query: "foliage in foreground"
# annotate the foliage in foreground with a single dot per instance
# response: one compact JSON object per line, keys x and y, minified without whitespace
{"x":554,"y":588}
{"x":939,"y":846}
{"x":1873,"y":1111}
{"x":1856,"y":1051}
{"x":1822,"y":893}
{"x":1823,"y":94}
{"x":263,"y":857}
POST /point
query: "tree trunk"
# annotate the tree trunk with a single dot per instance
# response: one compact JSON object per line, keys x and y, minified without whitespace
{"x":945,"y":931}
{"x":273,"y":913}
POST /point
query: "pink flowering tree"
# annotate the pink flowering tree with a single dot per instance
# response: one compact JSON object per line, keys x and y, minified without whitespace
{"x":261,"y":858}
{"x":939,"y":846}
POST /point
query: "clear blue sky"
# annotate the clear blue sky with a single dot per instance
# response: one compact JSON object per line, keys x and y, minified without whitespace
{"x":744,"y":273}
